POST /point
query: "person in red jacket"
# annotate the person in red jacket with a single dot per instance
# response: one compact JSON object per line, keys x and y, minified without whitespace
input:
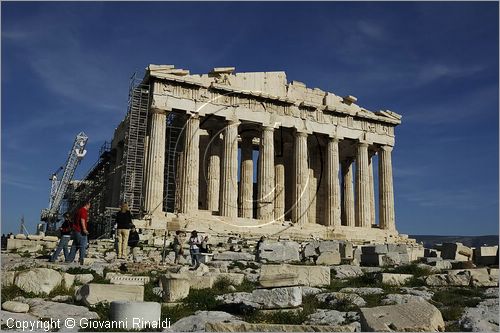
{"x":79,"y":234}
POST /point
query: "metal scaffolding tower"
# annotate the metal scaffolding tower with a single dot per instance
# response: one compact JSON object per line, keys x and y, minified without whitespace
{"x":134,"y":149}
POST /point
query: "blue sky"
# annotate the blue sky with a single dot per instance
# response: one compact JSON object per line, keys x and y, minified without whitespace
{"x":66,"y":68}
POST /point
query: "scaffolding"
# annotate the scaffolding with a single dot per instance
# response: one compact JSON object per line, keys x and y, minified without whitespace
{"x":173,"y":147}
{"x":131,"y":190}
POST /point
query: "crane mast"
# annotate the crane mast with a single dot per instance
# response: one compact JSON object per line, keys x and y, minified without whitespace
{"x":59,"y":187}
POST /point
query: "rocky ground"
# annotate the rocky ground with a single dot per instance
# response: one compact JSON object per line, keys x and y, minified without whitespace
{"x":284,"y":286}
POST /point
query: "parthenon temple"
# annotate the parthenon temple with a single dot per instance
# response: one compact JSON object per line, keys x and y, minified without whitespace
{"x":252,"y":153}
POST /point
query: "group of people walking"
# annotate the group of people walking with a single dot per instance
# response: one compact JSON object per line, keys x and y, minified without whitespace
{"x":76,"y":229}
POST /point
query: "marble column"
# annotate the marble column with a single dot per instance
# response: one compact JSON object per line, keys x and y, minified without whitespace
{"x":301,"y":194}
{"x":312,"y":183}
{"x":228,"y":204}
{"x":153,"y":197}
{"x":279,"y":203}
{"x":245,"y":206}
{"x":332,"y":205}
{"x":372,"y":188}
{"x":266,"y":181}
{"x":348,"y":193}
{"x":190,"y":176}
{"x":386,"y":190}
{"x":362,"y":187}
{"x":213,"y":173}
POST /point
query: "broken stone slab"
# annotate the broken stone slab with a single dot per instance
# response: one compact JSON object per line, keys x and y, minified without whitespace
{"x":200,"y":319}
{"x":336,"y":298}
{"x":346,"y":271}
{"x":287,"y":251}
{"x":346,"y":250}
{"x":13,"y":306}
{"x":129,"y":312}
{"x":374,"y":249}
{"x":312,"y":276}
{"x":331,"y":317}
{"x":482,"y":318}
{"x":399,"y":248}
{"x":493,"y":274}
{"x":480,"y":277}
{"x":8,"y":278}
{"x":38,"y":280}
{"x":60,"y":311}
{"x":175,"y":287}
{"x":202,"y":282}
{"x":456,"y":251}
{"x":278,"y":280}
{"x":408,"y":317}
{"x":235,"y":279}
{"x":458,"y":277}
{"x":363,"y":291}
{"x":306,"y":291}
{"x":421,"y":291}
{"x":329,"y":246}
{"x":275,"y":298}
{"x":83,"y":278}
{"x":401,"y":299}
{"x":251,"y":327}
{"x":486,"y":255}
{"x":394,"y":279}
{"x":129,"y":280}
{"x":328,"y":258}
{"x":62,"y":298}
{"x":234,"y":256}
{"x":94,"y":293}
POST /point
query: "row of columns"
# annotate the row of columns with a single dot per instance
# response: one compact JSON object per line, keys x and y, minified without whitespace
{"x":223,"y":195}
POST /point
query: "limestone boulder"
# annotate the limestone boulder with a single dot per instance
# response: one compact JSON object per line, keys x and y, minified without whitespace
{"x":312,"y":276}
{"x":234,"y":256}
{"x":394,"y":279}
{"x":275,"y":298}
{"x":94,"y":293}
{"x":259,"y":327}
{"x":363,"y":291}
{"x":459,"y":277}
{"x":198,"y":321}
{"x":8,"y":278}
{"x":401,"y":299}
{"x":408,"y":317}
{"x":83,"y":278}
{"x":38,"y":280}
{"x":423,"y":292}
{"x":13,"y":306}
{"x":337,"y":298}
{"x":306,"y":291}
{"x":328,"y":258}
{"x":480,"y":277}
{"x":346,"y":271}
{"x":436,"y":280}
{"x":285,"y":251}
{"x":278,"y":280}
{"x":331,"y":317}
{"x":483,"y":318}
{"x":48,"y":309}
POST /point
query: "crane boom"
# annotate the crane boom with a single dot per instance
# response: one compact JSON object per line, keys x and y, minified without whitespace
{"x":75,"y":155}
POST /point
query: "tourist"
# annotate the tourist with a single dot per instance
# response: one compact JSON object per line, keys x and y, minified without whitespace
{"x":205,"y":247}
{"x":194,"y":249}
{"x":65,"y":230}
{"x":79,"y":233}
{"x":123,"y":223}
{"x":177,"y":246}
{"x":133,"y":241}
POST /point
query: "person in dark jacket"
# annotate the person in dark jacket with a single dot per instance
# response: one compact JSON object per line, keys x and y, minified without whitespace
{"x":123,"y":224}
{"x":65,"y":230}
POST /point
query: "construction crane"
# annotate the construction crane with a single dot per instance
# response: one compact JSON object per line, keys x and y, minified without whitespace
{"x":58,"y":188}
